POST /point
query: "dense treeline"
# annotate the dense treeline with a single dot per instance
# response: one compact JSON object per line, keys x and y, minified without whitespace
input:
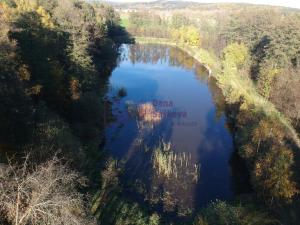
{"x":178,"y":27}
{"x":272,"y":40}
{"x":263,"y":140}
{"x":55,"y":58}
{"x":275,"y":52}
{"x":257,"y":51}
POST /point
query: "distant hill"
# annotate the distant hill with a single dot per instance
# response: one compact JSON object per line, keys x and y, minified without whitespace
{"x":160,"y":4}
{"x":173,"y":4}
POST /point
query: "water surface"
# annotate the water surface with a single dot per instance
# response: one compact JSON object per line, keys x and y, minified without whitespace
{"x":163,"y":99}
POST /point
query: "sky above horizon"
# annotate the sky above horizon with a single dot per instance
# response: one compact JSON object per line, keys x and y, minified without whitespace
{"x":287,"y":3}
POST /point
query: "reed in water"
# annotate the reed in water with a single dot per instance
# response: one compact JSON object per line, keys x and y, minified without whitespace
{"x":172,"y":165}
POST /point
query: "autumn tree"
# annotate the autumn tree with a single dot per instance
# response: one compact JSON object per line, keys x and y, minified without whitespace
{"x":272,"y":174}
{"x":271,"y":160}
{"x":236,"y":53}
{"x":188,"y":35}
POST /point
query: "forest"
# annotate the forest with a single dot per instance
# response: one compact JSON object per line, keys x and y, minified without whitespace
{"x":56,"y":59}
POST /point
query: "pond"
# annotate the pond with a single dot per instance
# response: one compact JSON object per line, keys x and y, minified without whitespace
{"x":169,"y":130}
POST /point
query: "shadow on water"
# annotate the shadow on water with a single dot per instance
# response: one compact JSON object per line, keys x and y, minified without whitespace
{"x":184,"y":131}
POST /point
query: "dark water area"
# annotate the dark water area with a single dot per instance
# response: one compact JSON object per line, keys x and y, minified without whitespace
{"x":170,"y":130}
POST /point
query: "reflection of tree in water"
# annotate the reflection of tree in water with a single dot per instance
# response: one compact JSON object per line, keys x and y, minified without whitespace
{"x":181,"y":59}
{"x":164,"y":54}
{"x":217,"y":97}
{"x":201,"y":72}
{"x":147,"y":53}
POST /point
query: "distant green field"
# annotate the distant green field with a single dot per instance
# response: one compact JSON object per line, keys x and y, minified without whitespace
{"x":124,"y":20}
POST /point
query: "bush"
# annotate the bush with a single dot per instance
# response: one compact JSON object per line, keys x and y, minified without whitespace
{"x":43,"y":194}
{"x":221,"y":213}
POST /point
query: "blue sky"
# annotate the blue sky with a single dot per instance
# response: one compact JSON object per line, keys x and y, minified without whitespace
{"x":288,"y":3}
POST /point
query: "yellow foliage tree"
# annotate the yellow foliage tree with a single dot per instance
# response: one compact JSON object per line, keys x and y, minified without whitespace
{"x":192,"y":36}
{"x":273,"y":161}
{"x":32,"y":6}
{"x":236,"y":54}
{"x":175,"y":34}
{"x":46,"y":18}
{"x":188,"y":35}
{"x":4,"y":18}
{"x":5,"y":12}
{"x":272,"y":174}
{"x":26,"y":5}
